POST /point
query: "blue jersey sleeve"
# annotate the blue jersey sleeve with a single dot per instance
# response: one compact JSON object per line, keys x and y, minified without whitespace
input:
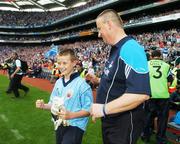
{"x":134,"y":56}
{"x":86,"y":97}
{"x":136,"y":68}
{"x":55,"y":91}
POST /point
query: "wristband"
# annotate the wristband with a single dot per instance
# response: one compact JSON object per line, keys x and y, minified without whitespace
{"x":104,"y":111}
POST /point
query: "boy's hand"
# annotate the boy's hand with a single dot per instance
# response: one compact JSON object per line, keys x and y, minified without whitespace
{"x":65,"y":114}
{"x":40,"y":103}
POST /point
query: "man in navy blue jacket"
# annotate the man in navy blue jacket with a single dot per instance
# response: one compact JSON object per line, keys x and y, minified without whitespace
{"x":124,"y":85}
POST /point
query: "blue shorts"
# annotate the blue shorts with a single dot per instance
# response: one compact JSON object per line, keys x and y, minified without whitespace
{"x":69,"y":135}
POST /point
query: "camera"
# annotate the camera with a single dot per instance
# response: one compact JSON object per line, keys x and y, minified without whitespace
{"x":4,"y":66}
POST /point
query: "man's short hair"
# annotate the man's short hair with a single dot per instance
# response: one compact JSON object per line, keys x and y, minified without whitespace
{"x":110,"y":14}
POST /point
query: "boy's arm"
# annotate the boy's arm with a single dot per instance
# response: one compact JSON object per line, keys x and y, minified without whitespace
{"x":55,"y":91}
{"x":40,"y":102}
{"x":47,"y":106}
{"x":71,"y":115}
{"x":41,"y":105}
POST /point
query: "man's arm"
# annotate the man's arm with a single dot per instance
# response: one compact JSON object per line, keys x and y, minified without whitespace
{"x":9,"y":59}
{"x":124,"y":103}
{"x":17,"y":69}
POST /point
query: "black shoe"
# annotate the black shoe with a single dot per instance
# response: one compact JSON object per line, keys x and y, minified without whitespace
{"x":26,"y":91}
{"x":8,"y":91}
{"x":16,"y":96}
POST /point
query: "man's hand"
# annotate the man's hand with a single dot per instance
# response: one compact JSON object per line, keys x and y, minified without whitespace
{"x":40,"y":103}
{"x":92,"y":78}
{"x":97,"y":111}
{"x":12,"y":76}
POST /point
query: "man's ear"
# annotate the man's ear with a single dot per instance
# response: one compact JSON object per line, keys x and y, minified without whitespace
{"x":109,"y":23}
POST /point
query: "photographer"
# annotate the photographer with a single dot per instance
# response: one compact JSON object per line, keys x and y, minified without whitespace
{"x":16,"y":76}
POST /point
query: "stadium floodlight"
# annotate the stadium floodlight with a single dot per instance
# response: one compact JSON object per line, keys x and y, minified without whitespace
{"x":61,"y":0}
{"x":57,"y":8}
{"x":21,"y":3}
{"x":44,"y":2}
{"x":32,"y":10}
{"x":9,"y":8}
{"x":79,"y":4}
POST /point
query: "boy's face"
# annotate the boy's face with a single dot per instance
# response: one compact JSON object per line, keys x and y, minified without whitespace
{"x":66,"y":65}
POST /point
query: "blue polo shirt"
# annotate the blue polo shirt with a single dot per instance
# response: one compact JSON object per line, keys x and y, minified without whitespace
{"x":126,"y":71}
{"x":77,"y":95}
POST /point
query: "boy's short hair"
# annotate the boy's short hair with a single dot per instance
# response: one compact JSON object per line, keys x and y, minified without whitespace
{"x":70,"y":52}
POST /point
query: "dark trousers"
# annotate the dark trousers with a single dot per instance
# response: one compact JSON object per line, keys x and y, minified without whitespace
{"x":9,"y":89}
{"x":16,"y":84}
{"x":125,"y":128}
{"x":157,"y":108}
{"x":69,"y":135}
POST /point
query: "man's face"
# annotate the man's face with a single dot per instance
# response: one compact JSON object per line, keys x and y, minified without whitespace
{"x":103,"y":30}
{"x":14,"y":56}
{"x":66,"y":65}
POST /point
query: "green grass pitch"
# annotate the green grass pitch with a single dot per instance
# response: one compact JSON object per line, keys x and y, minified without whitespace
{"x":22,"y":123}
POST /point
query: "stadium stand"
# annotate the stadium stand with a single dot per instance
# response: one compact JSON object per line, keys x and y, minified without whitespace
{"x":154,"y":24}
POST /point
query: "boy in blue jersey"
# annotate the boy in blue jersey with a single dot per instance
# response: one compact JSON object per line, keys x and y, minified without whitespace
{"x":124,"y":85}
{"x":77,"y":99}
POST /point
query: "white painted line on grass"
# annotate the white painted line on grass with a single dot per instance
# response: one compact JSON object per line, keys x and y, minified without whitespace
{"x":14,"y":131}
{"x":17,"y":134}
{"x":4,"y":118}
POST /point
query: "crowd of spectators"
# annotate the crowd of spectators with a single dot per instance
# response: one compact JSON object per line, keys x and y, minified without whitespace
{"x":32,"y":19}
{"x":137,"y":19}
{"x":143,"y":17}
{"x":43,"y":37}
{"x":93,"y":53}
{"x":167,"y":41}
